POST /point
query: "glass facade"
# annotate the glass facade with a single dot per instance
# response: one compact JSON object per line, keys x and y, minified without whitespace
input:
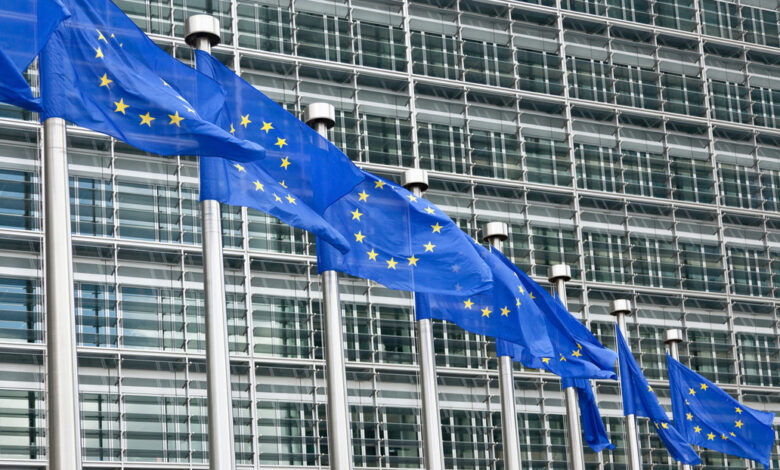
{"x":637,"y":141}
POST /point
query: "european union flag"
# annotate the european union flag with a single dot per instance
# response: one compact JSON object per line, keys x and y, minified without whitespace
{"x":639,"y":400}
{"x":247,"y":184}
{"x":101,"y":72}
{"x":401,"y":241}
{"x":26,"y":26}
{"x":313,"y":169}
{"x":503,"y":311}
{"x":708,"y":417}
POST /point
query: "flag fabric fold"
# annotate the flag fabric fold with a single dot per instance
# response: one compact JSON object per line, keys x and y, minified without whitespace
{"x":639,"y":400}
{"x":26,"y":26}
{"x":592,"y":425}
{"x":99,"y":71}
{"x":709,"y":417}
{"x":401,"y":241}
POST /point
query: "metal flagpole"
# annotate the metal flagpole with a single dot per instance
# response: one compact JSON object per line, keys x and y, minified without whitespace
{"x":673,"y":337}
{"x":64,"y":431}
{"x":495,"y":233}
{"x":620,"y":308}
{"x":202,"y":32}
{"x":416,"y":181}
{"x":321,"y":117}
{"x":559,"y":274}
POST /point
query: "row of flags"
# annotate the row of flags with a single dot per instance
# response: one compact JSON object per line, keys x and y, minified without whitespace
{"x":99,"y":71}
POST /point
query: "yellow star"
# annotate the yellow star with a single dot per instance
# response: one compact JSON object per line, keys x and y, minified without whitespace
{"x":704,"y":386}
{"x":101,"y":37}
{"x":689,"y":416}
{"x":164,"y":82}
{"x":687,"y":402}
{"x":356,"y":214}
{"x":359,"y":237}
{"x":190,"y":110}
{"x":520,"y":288}
{"x":429,"y":210}
{"x":105,"y":81}
{"x":363,"y":196}
{"x":283,"y":184}
{"x":504,"y":312}
{"x":239,"y":167}
{"x":120,"y":106}
{"x":546,"y":360}
{"x":277,"y":198}
{"x":517,"y":301}
{"x":724,"y":437}
{"x":285,"y":162}
{"x":739,"y":424}
{"x":691,"y":391}
{"x":738,"y":410}
{"x":436,"y":228}
{"x":732,"y":434}
{"x":371,"y":254}
{"x":175,"y":119}
{"x":429,"y":247}
{"x":563,"y":359}
{"x":697,"y":429}
{"x":649,"y":388}
{"x":379,"y":184}
{"x":146,"y":119}
{"x":412,"y":198}
{"x":486,"y":312}
{"x":391,"y":263}
{"x":99,"y":53}
{"x":468,"y":303}
{"x":245,"y":121}
{"x":413,"y":261}
{"x":280,"y":142}
{"x":259,"y":186}
{"x":266,"y":127}
{"x":576,"y":353}
{"x":232,"y":129}
{"x":711,"y":437}
{"x":665,"y":425}
{"x":290,"y":199}
{"x":531,"y":295}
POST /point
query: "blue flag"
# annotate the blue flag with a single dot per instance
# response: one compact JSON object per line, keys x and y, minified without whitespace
{"x":25,"y":26}
{"x":503,"y":311}
{"x":247,"y":184}
{"x":401,"y":241}
{"x":311,"y":167}
{"x":639,"y":400}
{"x":592,"y":425}
{"x":709,"y":417}
{"x":101,"y":72}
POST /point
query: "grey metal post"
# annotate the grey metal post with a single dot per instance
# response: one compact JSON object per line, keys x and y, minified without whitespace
{"x":495,"y":233}
{"x":559,"y":274}
{"x":416,"y":181}
{"x":321,"y":117}
{"x":620,"y":308}
{"x":64,"y":430}
{"x":202,"y":32}
{"x":673,"y":337}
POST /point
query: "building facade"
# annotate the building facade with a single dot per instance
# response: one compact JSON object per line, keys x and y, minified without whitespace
{"x":638,"y":141}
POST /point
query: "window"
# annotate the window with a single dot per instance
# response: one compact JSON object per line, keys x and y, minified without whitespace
{"x":539,"y":72}
{"x":435,"y":55}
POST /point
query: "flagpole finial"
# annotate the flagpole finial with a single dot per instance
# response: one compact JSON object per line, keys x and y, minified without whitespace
{"x":559,"y":271}
{"x":620,"y":306}
{"x":495,"y":230}
{"x":415,"y":178}
{"x":201,"y":26}
{"x":320,"y":112}
{"x":673,"y":335}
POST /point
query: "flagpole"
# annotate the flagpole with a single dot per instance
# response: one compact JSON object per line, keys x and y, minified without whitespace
{"x":672,"y":338}
{"x":321,"y":117}
{"x":64,"y":430}
{"x":202,"y":32}
{"x":495,"y":233}
{"x":619,"y":309}
{"x":558,"y":275}
{"x":416,"y":181}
